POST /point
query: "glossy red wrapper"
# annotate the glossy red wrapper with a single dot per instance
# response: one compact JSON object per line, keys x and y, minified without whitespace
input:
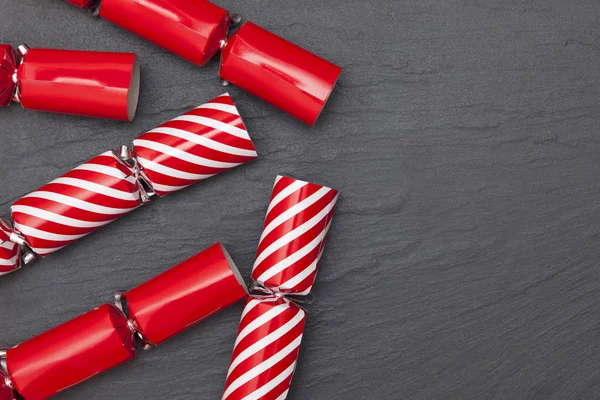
{"x":191,"y":29}
{"x":185,"y":295}
{"x":70,"y":353}
{"x":272,"y":324}
{"x":105,"y":337}
{"x":86,"y":83}
{"x":8,"y":66}
{"x":6,"y":392}
{"x":279,"y":72}
{"x":82,"y":3}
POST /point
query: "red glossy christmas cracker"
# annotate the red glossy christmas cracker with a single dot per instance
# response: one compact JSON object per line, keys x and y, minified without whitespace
{"x":105,"y":337}
{"x":87,"y":83}
{"x":279,"y":72}
{"x":201,"y":143}
{"x":268,"y":66}
{"x":272,"y":323}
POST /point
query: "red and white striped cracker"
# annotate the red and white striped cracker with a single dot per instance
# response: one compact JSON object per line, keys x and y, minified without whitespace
{"x":201,"y":143}
{"x":74,"y":205}
{"x":266,"y":350}
{"x":293,"y":237}
{"x":10,"y":253}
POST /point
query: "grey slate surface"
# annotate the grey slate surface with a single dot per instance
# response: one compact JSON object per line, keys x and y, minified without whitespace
{"x":463,"y":260}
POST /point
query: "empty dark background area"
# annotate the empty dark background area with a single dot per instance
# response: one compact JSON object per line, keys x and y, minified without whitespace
{"x":463,"y":259}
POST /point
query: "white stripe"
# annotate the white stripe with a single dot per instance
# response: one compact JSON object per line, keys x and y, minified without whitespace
{"x":59,"y":219}
{"x":267,"y":340}
{"x":284,"y":394}
{"x":289,"y":260}
{"x":37,"y":233}
{"x":10,"y":262}
{"x":296,"y":233}
{"x":262,"y":367}
{"x":8,"y":272}
{"x":97,"y":188}
{"x":294,"y":210}
{"x":8,"y":245}
{"x":77,"y":203}
{"x":251,"y":304}
{"x":291,"y":283}
{"x":213,"y":123}
{"x":182,"y":155}
{"x":220,"y":107}
{"x":167,"y":188}
{"x":297,"y":185}
{"x":258,"y":322}
{"x":203,"y":141}
{"x":45,"y":251}
{"x":103,"y":169}
{"x":259,"y":393}
{"x":172,"y":172}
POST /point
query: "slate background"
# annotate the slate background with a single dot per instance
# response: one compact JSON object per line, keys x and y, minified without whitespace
{"x":463,"y":260}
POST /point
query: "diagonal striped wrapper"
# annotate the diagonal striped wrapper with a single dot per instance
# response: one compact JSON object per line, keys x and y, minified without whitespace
{"x":197,"y":145}
{"x":76,"y":204}
{"x":266,"y":349}
{"x":201,"y":143}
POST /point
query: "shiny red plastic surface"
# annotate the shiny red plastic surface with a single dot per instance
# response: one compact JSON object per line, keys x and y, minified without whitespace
{"x":70,"y":353}
{"x":81,"y":3}
{"x":190,"y":29}
{"x":8,"y":64}
{"x":279,"y":72}
{"x":6,"y":393}
{"x":87,"y":83}
{"x":184,"y":295}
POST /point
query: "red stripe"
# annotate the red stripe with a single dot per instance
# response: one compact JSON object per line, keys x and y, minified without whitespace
{"x":88,"y":196}
{"x":295,"y":221}
{"x":52,"y":227}
{"x":193,"y":148}
{"x":46,"y":244}
{"x":270,"y":350}
{"x":280,"y":389}
{"x":286,"y":251}
{"x":290,"y":201}
{"x":264,"y":329}
{"x":210,"y":133}
{"x":222,"y":116}
{"x":264,"y":378}
{"x":176,"y":163}
{"x":293,"y":270}
{"x":281,"y":184}
{"x":225,"y":99}
{"x":101,"y":179}
{"x":65,"y":210}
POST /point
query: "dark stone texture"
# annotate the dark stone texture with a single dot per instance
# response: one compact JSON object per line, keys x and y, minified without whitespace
{"x":463,"y":260}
